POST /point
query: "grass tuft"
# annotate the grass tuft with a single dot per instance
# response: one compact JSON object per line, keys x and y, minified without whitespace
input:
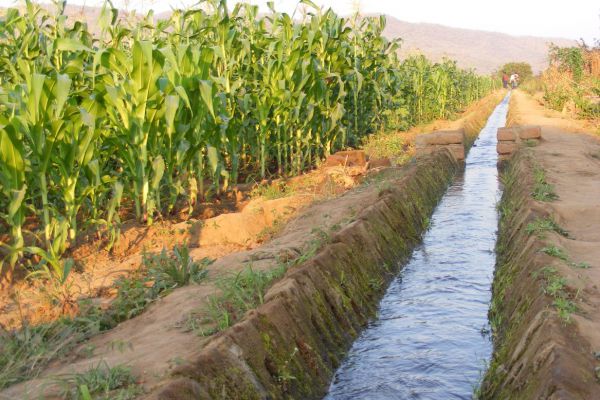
{"x":542,"y":190}
{"x":541,"y":225}
{"x":557,"y":252}
{"x":99,"y":383}
{"x":24,"y":352}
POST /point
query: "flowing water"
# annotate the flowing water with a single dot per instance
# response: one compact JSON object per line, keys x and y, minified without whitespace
{"x":430,"y":339}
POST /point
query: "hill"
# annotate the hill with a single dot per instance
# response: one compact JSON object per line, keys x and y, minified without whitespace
{"x":482,"y":50}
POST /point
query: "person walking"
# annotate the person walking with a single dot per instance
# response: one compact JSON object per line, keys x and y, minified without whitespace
{"x":504,"y":80}
{"x":513,"y":81}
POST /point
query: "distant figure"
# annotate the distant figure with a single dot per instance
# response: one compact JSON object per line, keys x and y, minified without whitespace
{"x":505,"y":80}
{"x":514,"y":80}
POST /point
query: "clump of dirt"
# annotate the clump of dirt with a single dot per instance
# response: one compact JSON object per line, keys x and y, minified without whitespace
{"x":546,"y":301}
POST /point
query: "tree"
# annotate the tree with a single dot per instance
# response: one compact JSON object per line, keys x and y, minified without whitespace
{"x":521,"y":68}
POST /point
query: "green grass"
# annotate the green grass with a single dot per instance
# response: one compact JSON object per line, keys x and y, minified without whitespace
{"x":580,"y":265}
{"x":245,"y":291}
{"x":24,"y":352}
{"x":561,"y":254}
{"x":541,"y":225}
{"x":169,"y":272}
{"x":556,"y":287}
{"x":565,"y":308}
{"x":542,"y":190}
{"x":392,"y":145}
{"x":272,"y":191}
{"x":554,"y":251}
{"x":545,"y":272}
{"x":239,"y":294}
{"x":99,"y":383}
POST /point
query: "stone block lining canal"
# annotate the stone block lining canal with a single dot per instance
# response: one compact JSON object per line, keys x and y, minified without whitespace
{"x":430,"y":341}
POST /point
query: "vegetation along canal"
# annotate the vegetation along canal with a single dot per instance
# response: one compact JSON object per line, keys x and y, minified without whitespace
{"x":429,"y":341}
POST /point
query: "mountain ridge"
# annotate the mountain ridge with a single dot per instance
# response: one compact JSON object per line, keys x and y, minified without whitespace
{"x":486,"y":51}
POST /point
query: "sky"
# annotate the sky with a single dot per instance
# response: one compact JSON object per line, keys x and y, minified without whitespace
{"x":572,"y":19}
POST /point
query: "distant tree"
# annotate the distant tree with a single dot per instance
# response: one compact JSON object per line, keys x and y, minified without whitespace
{"x":521,"y":68}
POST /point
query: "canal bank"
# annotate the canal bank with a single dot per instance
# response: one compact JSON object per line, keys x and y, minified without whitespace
{"x":429,"y":341}
{"x":545,"y":311}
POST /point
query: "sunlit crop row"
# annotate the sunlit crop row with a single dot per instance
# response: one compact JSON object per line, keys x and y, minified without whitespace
{"x":149,"y":116}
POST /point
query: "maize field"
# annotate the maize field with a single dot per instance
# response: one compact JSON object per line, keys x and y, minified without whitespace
{"x":147,"y":117}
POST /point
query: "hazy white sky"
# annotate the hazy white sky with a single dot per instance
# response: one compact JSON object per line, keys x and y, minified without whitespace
{"x":572,"y":19}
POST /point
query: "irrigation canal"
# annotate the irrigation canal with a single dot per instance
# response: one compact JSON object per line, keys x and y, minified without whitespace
{"x":430,"y":340}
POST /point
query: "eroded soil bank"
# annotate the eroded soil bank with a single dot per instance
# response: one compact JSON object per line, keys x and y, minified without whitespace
{"x":290,"y":346}
{"x":545,"y":311}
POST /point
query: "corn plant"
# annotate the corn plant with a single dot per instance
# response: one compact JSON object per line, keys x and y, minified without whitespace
{"x":150,"y":117}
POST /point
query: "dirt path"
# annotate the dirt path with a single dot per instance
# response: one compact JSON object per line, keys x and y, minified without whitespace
{"x":572,"y":165}
{"x":546,"y":306}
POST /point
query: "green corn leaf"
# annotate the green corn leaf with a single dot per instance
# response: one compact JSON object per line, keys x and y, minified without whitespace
{"x":61,"y":93}
{"x":16,"y":200}
{"x":171,"y":105}
{"x":158,"y":170}
{"x":206,"y":91}
{"x":213,"y":158}
{"x":68,"y":44}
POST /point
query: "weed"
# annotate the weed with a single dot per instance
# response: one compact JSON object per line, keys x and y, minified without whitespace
{"x":542,"y":190}
{"x":284,"y":375}
{"x":239,"y":294}
{"x":555,"y":251}
{"x":386,"y":144}
{"x":376,"y":284}
{"x":269,"y":232}
{"x":555,"y":286}
{"x":541,"y":225}
{"x":245,"y":291}
{"x":99,"y":382}
{"x":23,"y":352}
{"x":530,"y":143}
{"x":581,"y":265}
{"x":55,"y":273}
{"x":546,"y":272}
{"x":133,"y":296}
{"x":178,"y":270}
{"x":271,"y":191}
{"x":565,"y":308}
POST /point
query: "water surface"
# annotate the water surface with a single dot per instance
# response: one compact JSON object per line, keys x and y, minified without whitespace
{"x":429,"y":341}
